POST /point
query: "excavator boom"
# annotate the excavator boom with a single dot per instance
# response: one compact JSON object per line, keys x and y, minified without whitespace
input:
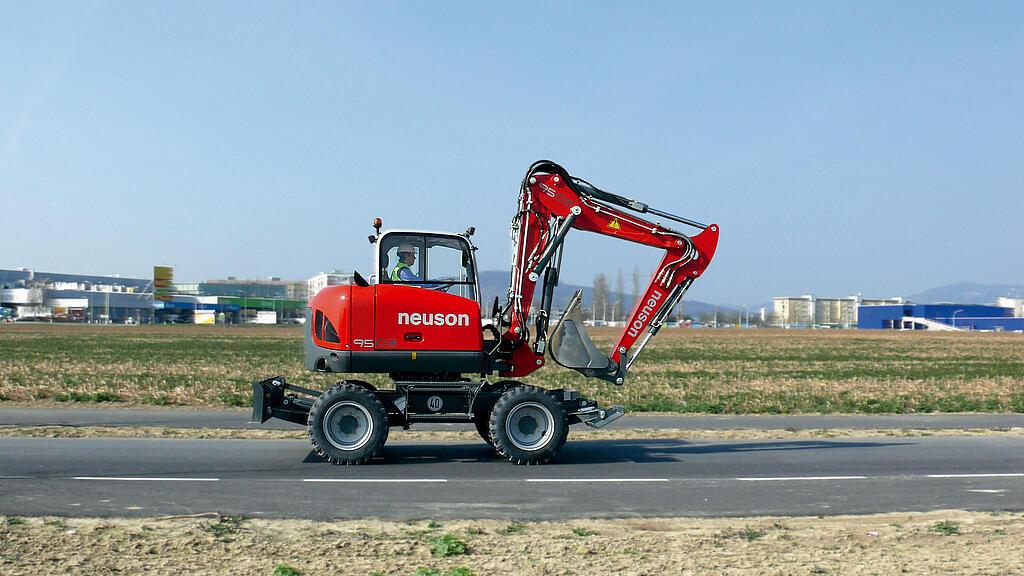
{"x":551,"y":203}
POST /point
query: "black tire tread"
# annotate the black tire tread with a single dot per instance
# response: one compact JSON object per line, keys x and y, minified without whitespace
{"x":514,"y":395}
{"x":372,"y":403}
{"x":482,"y":421}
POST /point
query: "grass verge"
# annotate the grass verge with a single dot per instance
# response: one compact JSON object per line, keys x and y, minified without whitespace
{"x":688,"y":371}
{"x":964,"y":543}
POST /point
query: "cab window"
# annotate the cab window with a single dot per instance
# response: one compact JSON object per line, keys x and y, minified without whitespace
{"x":402,"y":258}
{"x":450,"y":263}
{"x":442,"y":263}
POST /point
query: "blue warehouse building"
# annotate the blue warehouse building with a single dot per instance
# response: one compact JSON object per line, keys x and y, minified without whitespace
{"x":939,"y":316}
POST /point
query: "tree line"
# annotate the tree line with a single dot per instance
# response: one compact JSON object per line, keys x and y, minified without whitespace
{"x":607,"y":305}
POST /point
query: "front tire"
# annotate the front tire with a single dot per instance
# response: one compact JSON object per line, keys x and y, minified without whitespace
{"x":347,"y":424}
{"x":527,"y":426}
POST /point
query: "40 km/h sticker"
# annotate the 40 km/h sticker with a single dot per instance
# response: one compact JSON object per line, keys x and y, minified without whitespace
{"x":434,"y":403}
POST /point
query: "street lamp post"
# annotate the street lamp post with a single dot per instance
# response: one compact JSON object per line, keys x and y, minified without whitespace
{"x":955,"y":312}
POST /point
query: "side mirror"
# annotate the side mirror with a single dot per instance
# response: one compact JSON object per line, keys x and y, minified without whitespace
{"x":496,"y":309}
{"x":372,"y":239}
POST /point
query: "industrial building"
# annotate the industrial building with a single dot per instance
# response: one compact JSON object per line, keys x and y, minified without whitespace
{"x":838,"y":312}
{"x":26,"y":294}
{"x":271,"y":288}
{"x":940,"y":317}
{"x":881,"y":301}
{"x":807,"y":311}
{"x":794,"y":310}
{"x":1015,"y":304}
{"x":325,"y":279}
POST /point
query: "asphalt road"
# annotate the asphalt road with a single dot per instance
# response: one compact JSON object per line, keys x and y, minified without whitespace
{"x":178,"y":418}
{"x":612,"y":478}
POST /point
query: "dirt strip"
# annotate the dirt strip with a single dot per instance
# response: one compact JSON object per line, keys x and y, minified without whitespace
{"x":948,"y":542}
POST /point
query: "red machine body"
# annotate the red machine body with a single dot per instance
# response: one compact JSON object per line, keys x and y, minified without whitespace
{"x":393,"y":328}
{"x":403,"y":318}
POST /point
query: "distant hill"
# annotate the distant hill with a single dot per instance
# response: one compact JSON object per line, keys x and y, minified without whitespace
{"x":495,"y":283}
{"x":968,"y":293}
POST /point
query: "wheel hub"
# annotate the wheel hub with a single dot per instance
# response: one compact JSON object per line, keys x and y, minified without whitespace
{"x":348,"y":425}
{"x":529,"y":426}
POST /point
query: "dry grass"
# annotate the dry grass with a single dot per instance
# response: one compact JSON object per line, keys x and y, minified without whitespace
{"x":950,"y":542}
{"x":708,"y":371}
{"x":787,"y":371}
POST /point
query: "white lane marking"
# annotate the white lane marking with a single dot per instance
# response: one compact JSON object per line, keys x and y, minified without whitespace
{"x":597,"y":479}
{"x":378,"y":480}
{"x":984,"y":491}
{"x":145,"y":479}
{"x":787,"y":478}
{"x":1007,"y":475}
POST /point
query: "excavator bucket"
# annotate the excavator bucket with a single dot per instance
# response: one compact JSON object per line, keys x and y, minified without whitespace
{"x":572,"y":347}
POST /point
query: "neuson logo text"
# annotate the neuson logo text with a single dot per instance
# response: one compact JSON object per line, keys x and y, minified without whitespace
{"x":645,"y":313}
{"x":436,"y":319}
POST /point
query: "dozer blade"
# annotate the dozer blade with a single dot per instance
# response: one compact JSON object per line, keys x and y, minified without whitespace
{"x":572,"y":347}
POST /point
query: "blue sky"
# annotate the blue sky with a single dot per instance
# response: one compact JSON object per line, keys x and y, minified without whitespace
{"x":870,"y":147}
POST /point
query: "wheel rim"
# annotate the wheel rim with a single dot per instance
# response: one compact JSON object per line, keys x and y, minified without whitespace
{"x":529,"y":426}
{"x":348,"y":425}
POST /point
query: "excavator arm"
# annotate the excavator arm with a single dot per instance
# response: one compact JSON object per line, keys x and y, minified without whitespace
{"x":551,"y":203}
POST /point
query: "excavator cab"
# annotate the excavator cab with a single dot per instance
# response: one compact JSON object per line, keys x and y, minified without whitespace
{"x":430,"y":260}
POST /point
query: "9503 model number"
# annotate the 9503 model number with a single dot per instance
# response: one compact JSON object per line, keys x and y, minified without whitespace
{"x":378,"y":343}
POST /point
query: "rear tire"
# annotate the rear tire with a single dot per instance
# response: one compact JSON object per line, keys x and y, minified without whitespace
{"x":528,"y":426}
{"x":483,"y":427}
{"x":347,"y":424}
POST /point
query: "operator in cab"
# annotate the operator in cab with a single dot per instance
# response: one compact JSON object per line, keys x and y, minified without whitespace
{"x":402,"y":272}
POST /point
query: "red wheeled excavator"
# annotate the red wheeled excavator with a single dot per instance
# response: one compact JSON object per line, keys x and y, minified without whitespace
{"x":418,"y":319}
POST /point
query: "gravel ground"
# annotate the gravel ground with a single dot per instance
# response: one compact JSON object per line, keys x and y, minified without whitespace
{"x":947,"y":542}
